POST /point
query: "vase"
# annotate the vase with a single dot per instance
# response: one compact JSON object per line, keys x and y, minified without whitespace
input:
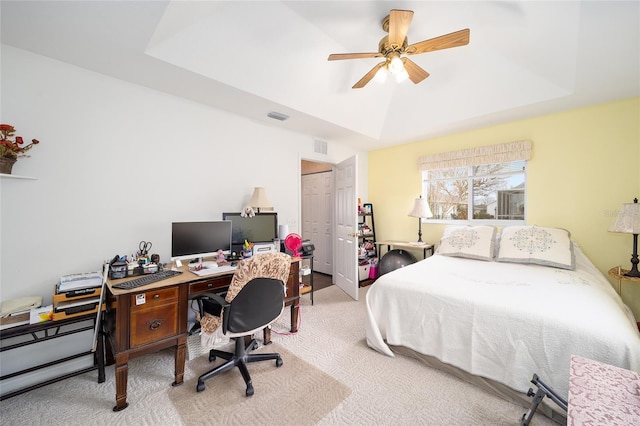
{"x":6,"y":164}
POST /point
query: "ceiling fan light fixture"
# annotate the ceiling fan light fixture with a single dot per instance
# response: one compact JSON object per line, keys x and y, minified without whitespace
{"x":381,"y":75}
{"x":395,"y":64}
{"x":402,"y":76}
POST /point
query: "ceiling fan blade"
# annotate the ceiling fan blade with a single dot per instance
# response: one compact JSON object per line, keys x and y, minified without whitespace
{"x":340,"y":56}
{"x":456,"y":39}
{"x":416,"y":74}
{"x":399,"y":21}
{"x":368,"y":76}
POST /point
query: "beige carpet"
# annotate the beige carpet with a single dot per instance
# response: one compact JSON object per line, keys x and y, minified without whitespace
{"x":296,"y":393}
{"x":331,"y":337}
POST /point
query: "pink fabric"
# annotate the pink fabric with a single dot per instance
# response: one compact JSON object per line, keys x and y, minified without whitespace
{"x":601,"y":394}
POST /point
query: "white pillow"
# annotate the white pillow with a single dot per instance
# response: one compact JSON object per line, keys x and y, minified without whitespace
{"x":472,"y":242}
{"x":539,"y":245}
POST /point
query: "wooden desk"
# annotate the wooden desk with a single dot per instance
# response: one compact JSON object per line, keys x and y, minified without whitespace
{"x":405,"y":245}
{"x":154,"y":317}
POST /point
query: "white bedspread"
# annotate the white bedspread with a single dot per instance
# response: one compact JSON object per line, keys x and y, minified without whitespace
{"x":503,"y":321}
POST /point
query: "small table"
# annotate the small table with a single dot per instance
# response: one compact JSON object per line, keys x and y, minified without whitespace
{"x":406,"y":245}
{"x":619,"y":274}
{"x":307,"y":288}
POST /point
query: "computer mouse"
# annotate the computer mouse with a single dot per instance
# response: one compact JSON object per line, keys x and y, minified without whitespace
{"x":234,"y":263}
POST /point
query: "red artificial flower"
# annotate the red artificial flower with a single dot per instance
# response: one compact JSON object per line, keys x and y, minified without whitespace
{"x":11,"y":148}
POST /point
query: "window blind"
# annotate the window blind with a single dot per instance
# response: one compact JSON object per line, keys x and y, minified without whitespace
{"x":491,"y":154}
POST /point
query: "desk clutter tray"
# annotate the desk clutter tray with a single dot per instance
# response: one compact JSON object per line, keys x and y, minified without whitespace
{"x":75,"y":294}
{"x":75,"y":303}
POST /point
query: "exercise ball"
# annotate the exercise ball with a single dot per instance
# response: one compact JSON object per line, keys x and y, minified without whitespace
{"x":395,"y":259}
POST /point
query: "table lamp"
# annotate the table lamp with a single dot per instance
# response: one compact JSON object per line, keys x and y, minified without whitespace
{"x":628,"y":222}
{"x":259,"y":199}
{"x":420,"y":210}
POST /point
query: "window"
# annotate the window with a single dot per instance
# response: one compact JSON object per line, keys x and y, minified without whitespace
{"x":491,"y":192}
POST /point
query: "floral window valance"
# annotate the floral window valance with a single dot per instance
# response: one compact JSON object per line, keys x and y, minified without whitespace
{"x":502,"y":153}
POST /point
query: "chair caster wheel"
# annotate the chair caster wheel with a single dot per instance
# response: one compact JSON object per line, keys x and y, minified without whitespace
{"x":254,"y":346}
{"x":200,"y":387}
{"x":279,"y":362}
{"x":249,"y":390}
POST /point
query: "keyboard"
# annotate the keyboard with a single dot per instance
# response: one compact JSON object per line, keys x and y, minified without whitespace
{"x":211,"y":271}
{"x":147,"y":279}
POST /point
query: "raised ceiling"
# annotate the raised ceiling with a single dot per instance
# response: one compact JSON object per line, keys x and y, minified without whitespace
{"x":525,"y":58}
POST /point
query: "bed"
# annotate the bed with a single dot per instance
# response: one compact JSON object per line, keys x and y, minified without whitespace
{"x":500,"y":307}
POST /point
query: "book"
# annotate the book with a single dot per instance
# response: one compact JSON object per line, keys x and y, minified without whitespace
{"x":79,"y":281}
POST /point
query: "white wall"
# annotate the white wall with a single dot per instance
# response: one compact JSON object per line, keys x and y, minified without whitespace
{"x":118,"y":162}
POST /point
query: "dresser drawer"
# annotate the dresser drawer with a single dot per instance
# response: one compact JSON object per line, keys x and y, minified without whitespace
{"x":151,"y":298}
{"x":154,"y":323}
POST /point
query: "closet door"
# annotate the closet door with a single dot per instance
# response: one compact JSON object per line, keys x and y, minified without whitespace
{"x":307,"y":206}
{"x":324,"y":262}
{"x":317,"y":207}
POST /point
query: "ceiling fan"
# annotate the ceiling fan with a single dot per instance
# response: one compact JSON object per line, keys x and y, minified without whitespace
{"x":394,"y":45}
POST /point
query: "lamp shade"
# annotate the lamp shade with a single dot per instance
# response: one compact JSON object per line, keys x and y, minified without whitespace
{"x":421,"y":208}
{"x":628,"y":220}
{"x":259,"y":199}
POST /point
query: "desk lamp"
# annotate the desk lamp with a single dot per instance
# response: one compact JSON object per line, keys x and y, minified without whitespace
{"x":420,"y":210}
{"x":628,"y":222}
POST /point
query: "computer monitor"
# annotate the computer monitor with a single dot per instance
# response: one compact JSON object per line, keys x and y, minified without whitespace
{"x":261,"y":228}
{"x":196,"y":240}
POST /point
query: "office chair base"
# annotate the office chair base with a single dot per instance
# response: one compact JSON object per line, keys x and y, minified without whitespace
{"x":238,"y":359}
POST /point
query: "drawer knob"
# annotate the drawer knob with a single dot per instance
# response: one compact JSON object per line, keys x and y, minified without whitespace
{"x":155,"y":324}
{"x":156,"y":296}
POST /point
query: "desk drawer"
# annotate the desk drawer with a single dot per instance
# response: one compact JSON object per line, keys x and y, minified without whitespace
{"x":209,"y":285}
{"x":154,"y":315}
{"x":154,"y":323}
{"x":161,"y":296}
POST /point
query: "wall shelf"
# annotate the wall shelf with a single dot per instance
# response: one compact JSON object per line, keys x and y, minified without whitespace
{"x":6,"y":176}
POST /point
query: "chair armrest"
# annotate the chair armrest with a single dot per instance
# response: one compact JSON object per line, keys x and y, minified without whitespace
{"x":216,"y":298}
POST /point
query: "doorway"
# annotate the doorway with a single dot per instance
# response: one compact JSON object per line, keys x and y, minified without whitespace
{"x":317,"y":200}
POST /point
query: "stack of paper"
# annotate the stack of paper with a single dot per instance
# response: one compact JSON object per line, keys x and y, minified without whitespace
{"x":79,"y":281}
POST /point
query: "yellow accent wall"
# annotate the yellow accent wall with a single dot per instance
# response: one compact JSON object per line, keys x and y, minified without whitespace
{"x":586,"y":163}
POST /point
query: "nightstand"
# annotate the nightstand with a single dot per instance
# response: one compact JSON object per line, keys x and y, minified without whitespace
{"x":618,"y":273}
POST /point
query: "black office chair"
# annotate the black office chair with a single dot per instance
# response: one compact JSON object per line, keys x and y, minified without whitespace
{"x":246,"y":309}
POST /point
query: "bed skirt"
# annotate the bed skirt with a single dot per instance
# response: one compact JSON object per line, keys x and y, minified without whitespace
{"x":547,"y":407}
